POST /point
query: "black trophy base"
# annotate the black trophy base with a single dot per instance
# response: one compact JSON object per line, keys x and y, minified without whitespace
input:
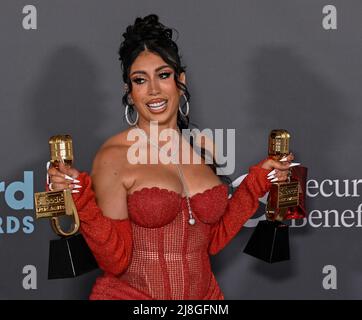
{"x":269,"y":242}
{"x":70,"y":257}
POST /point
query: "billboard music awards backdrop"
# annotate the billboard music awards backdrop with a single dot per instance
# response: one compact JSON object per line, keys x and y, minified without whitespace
{"x":252,"y":66}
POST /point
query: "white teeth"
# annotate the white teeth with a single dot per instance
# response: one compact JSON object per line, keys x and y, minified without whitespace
{"x":156,"y":106}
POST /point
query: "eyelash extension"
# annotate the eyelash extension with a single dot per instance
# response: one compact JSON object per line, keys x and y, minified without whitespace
{"x":138,"y":80}
{"x":165,"y":73}
{"x":142,"y":80}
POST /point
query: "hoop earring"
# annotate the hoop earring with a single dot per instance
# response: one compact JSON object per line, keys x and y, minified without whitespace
{"x":127,"y":119}
{"x":187,"y":107}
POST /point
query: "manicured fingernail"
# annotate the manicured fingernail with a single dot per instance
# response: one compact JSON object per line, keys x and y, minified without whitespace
{"x":284,"y":159}
{"x":48,"y":166}
{"x":293,"y":164}
{"x":75,"y":191}
{"x":77,"y":186}
{"x":71,"y":179}
{"x":274,"y":180}
{"x":271,"y":173}
{"x":271,"y":177}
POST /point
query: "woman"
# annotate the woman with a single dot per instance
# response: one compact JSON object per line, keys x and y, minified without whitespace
{"x":152,"y":227}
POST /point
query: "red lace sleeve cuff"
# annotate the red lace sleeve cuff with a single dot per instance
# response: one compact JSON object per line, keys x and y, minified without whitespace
{"x":110,"y":240}
{"x":84,"y":197}
{"x":261,"y":184}
{"x":241,"y":207}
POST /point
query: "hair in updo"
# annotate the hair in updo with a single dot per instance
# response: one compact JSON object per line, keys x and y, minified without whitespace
{"x":149,"y":34}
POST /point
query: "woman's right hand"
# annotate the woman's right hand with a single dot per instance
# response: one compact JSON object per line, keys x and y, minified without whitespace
{"x":62,"y":178}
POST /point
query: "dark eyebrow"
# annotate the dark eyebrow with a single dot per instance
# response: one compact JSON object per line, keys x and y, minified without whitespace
{"x":162,"y":67}
{"x":143,"y":72}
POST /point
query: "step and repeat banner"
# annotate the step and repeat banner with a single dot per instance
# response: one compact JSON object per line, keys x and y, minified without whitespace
{"x":252,"y":66}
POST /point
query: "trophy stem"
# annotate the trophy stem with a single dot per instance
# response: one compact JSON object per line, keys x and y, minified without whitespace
{"x":58,"y":229}
{"x":71,"y":210}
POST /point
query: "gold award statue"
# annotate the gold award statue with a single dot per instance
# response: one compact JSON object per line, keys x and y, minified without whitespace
{"x":282,"y":195}
{"x":69,"y":256}
{"x":286,"y":200}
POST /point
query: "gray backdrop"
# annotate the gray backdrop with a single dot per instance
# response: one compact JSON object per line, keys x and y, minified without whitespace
{"x":252,"y":65}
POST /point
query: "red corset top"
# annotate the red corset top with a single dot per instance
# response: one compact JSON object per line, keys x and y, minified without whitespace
{"x":154,"y":207}
{"x":170,"y":257}
{"x":156,"y":253}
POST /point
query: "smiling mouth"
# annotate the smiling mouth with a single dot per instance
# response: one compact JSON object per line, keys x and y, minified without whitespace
{"x":157,"y":106}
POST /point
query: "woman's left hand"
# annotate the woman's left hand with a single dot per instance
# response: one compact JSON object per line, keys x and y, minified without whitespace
{"x":280,"y":169}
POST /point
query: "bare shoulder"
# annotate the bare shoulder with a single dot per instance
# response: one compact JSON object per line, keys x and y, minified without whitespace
{"x":113,"y":150}
{"x":110,"y":161}
{"x":111,"y":177}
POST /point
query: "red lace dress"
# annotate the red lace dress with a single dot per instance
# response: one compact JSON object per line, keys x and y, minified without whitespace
{"x":156,"y":253}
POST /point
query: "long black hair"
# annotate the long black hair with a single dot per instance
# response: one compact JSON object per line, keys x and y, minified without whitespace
{"x":149,"y":34}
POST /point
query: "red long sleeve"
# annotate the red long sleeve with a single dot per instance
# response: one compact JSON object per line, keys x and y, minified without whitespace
{"x":110,"y":240}
{"x":240,"y":208}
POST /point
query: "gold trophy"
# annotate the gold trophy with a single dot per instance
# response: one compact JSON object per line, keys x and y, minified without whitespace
{"x":69,"y":256}
{"x":270,"y":240}
{"x":282,"y":195}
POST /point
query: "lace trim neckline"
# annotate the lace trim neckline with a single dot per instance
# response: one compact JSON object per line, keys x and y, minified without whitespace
{"x":222,"y":185}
